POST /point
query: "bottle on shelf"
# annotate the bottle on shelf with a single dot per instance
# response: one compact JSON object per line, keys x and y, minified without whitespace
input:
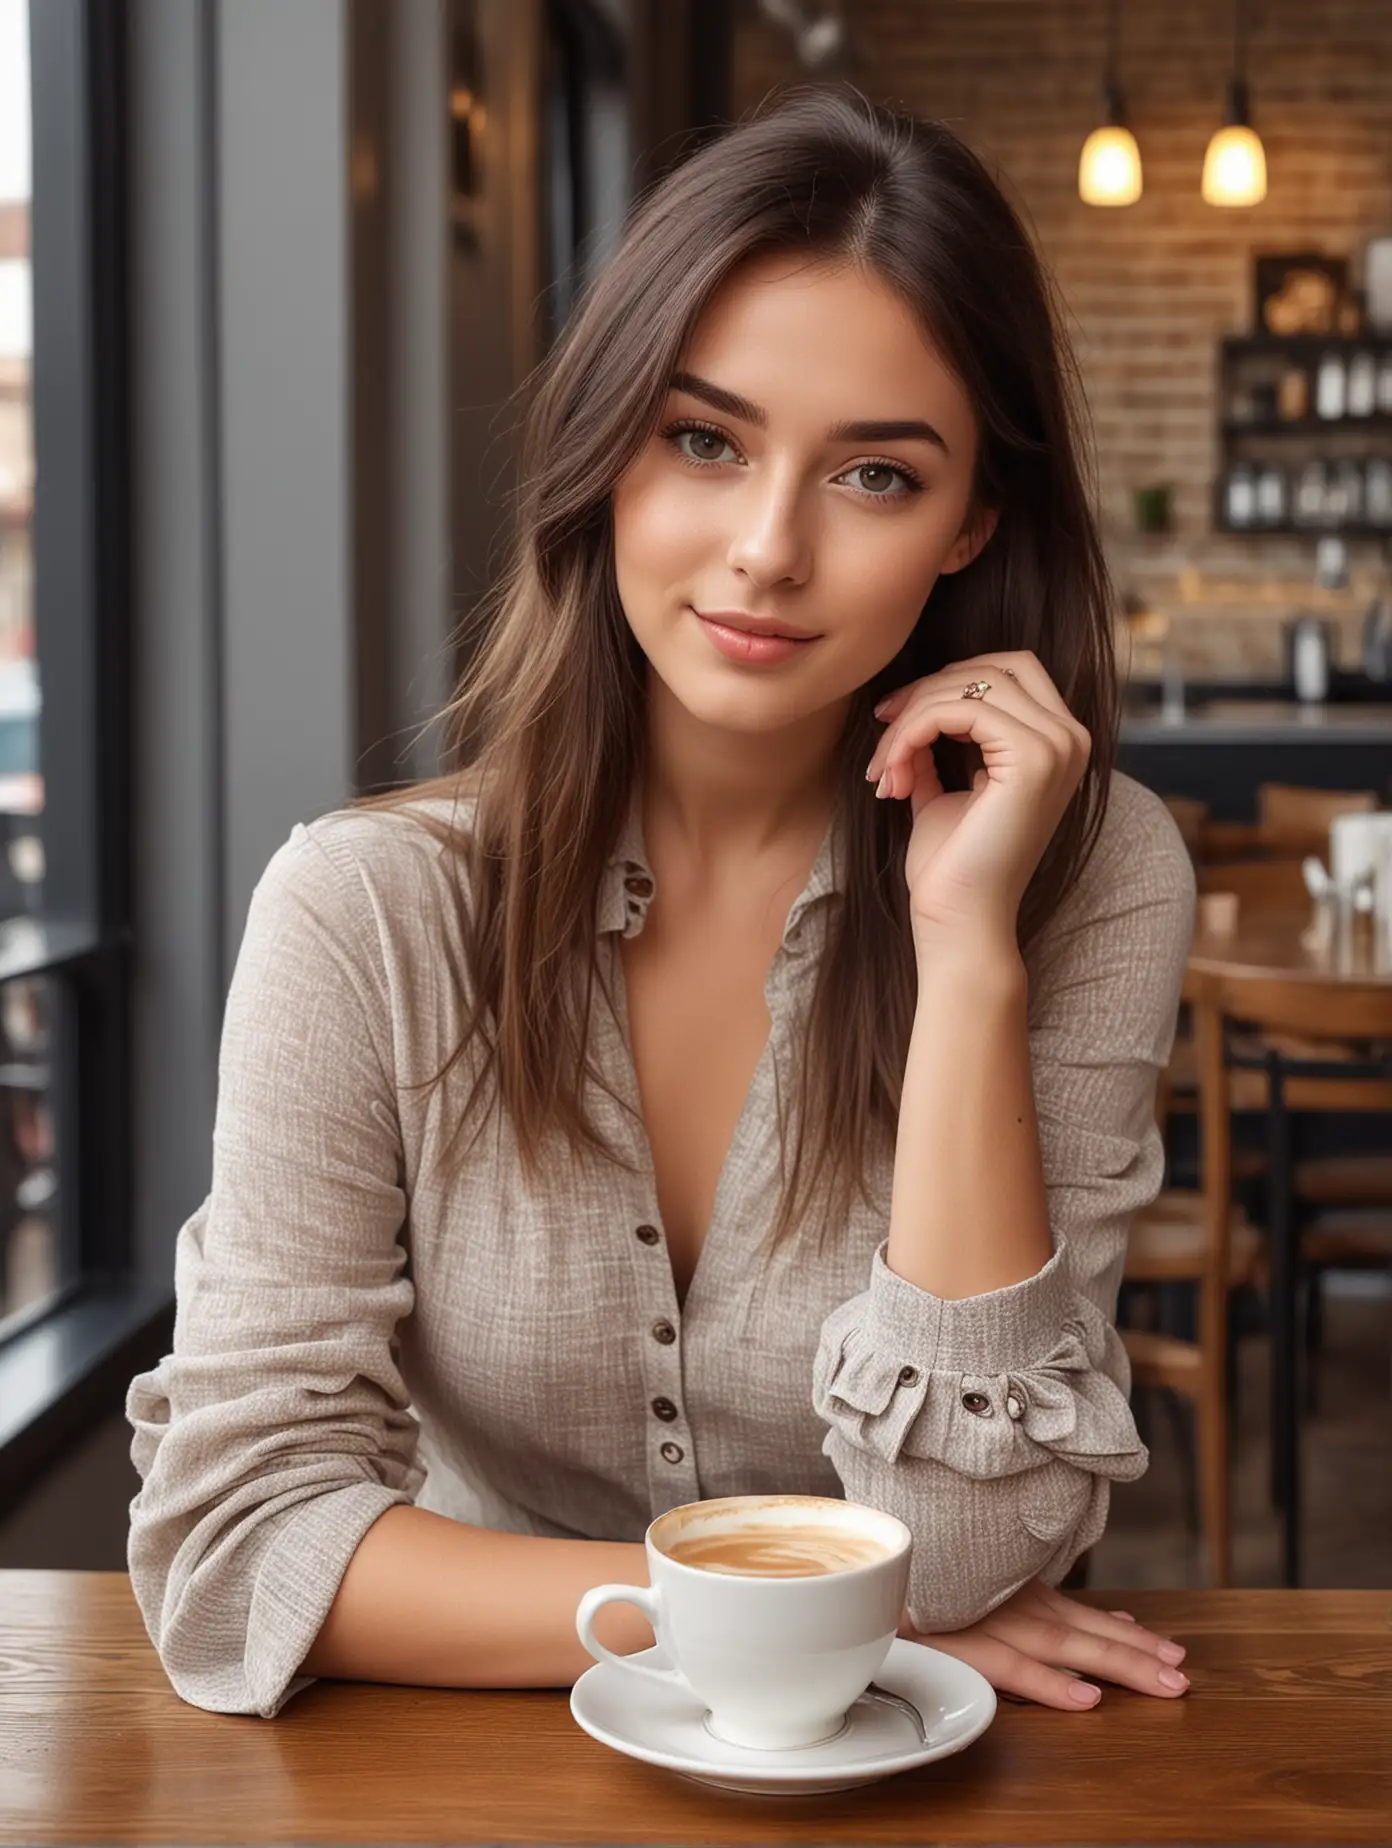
{"x":1384,"y":385}
{"x":1331,"y":395}
{"x":1362,"y":384}
{"x":1240,"y":495}
{"x":1271,"y":496}
{"x":1293,"y":394}
{"x":1377,"y":492}
{"x":1309,"y":500}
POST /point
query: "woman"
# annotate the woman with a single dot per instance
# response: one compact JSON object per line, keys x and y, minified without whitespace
{"x":739,"y":1074}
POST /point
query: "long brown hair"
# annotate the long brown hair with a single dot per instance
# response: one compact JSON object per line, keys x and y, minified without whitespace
{"x":546,"y":731}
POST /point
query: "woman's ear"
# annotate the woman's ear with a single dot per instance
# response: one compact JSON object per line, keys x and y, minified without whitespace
{"x":971,"y":540}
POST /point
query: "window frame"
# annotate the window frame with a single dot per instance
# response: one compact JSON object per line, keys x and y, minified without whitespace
{"x":56,"y":1361}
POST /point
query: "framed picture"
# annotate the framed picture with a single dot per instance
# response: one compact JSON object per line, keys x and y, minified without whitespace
{"x":1303,"y":292}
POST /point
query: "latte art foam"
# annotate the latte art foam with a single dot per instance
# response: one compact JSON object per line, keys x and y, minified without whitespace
{"x":775,"y":1550}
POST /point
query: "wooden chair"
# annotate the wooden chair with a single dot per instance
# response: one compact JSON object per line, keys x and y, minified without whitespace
{"x":1268,"y":884}
{"x":1349,"y":1022}
{"x":1296,"y":821}
{"x":1292,"y":822}
{"x":1283,"y":806}
{"x":1198,"y":1237}
{"x":1189,"y":817}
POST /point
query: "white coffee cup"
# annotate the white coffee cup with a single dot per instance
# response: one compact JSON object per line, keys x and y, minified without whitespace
{"x":777,"y":1660}
{"x":1360,"y":852}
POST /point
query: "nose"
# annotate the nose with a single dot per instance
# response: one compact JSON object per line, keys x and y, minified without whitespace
{"x":771,"y":543}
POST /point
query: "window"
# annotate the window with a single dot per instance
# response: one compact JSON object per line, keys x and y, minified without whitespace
{"x":64,"y":1206}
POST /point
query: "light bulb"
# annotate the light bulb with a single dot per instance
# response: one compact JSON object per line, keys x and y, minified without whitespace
{"x":1234,"y":169}
{"x":1109,"y":168}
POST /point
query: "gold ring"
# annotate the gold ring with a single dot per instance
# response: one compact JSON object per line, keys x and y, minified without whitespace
{"x":976,"y":689}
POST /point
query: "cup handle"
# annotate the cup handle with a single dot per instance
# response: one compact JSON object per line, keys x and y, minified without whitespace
{"x":650,"y":1604}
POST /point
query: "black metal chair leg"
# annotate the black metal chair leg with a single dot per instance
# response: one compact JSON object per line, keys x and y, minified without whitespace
{"x":1313,"y":1279}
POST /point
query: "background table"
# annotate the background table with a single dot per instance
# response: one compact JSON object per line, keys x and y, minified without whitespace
{"x":1348,"y":980}
{"x":1286,"y":1736}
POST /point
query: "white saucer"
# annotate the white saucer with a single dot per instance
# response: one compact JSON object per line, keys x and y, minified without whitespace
{"x":664,"y":1726}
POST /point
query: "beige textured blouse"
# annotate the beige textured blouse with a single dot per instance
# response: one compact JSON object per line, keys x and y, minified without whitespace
{"x":353,"y":1332}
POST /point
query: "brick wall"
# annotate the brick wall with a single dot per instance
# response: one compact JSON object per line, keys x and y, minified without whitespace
{"x":1152,"y":287}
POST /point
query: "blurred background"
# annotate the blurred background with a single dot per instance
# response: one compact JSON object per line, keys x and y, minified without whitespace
{"x":268,"y":275}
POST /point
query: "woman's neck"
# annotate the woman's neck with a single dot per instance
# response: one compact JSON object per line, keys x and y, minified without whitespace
{"x":719,"y":797}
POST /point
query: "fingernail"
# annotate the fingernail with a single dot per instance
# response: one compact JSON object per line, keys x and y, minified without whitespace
{"x":883,"y":706}
{"x":882,"y":787}
{"x":870,"y":771}
{"x":1084,"y":1693}
{"x":1124,"y":1614}
{"x":1171,"y":1678}
{"x":1171,"y":1652}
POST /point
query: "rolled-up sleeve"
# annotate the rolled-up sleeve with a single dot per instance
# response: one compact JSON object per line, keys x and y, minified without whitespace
{"x":994,"y":1425}
{"x":279,"y":1428}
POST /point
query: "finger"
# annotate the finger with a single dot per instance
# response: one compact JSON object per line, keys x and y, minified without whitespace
{"x":955,"y":676}
{"x":1035,"y":678}
{"x":1002,"y":695}
{"x":927,"y":784}
{"x":1119,"y":1625}
{"x":1016,"y":1675}
{"x":1022,"y":666}
{"x":1100,"y":1656}
{"x":1000,"y":733}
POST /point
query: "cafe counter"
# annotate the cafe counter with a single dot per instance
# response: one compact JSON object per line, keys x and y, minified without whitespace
{"x":1219,"y":751}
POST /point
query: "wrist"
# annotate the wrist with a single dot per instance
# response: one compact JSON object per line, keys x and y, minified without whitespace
{"x":984,"y":961}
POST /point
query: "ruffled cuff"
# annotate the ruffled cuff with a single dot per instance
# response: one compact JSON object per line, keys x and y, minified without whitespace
{"x":989,"y":1385}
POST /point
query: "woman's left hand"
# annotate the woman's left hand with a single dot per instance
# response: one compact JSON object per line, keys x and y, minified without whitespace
{"x":1025,"y":1645}
{"x":972,"y":853}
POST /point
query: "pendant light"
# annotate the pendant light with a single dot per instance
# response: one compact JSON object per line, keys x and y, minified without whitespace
{"x":1109,"y":167}
{"x":1234,"y":169}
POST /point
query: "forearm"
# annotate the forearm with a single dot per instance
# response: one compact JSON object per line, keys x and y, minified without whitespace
{"x":968,"y":1211}
{"x":431,"y":1602}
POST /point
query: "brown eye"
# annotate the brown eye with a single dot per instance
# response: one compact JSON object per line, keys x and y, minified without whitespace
{"x":707,"y":445}
{"x":679,"y":435}
{"x":876,"y":481}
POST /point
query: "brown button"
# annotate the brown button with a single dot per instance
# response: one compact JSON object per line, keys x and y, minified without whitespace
{"x":672,"y":1453}
{"x":648,"y":1235}
{"x":639,"y":884}
{"x":908,"y":1376}
{"x":664,"y":1409}
{"x":664,"y":1332}
{"x":977,"y":1402}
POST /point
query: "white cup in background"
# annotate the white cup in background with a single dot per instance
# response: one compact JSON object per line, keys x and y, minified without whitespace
{"x":777,"y":1660}
{"x":1360,"y":848}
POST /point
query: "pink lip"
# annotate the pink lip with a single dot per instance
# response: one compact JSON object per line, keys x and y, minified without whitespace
{"x":750,"y":649}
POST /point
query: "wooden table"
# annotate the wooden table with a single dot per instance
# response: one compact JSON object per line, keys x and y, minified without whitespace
{"x":1351,"y":973}
{"x":1286,"y":1736}
{"x":1269,"y":941}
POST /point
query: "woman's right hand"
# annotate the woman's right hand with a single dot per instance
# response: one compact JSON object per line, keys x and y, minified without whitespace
{"x":1026,"y":1646}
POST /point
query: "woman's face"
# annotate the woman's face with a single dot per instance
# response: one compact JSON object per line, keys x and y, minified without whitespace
{"x":758,"y":498}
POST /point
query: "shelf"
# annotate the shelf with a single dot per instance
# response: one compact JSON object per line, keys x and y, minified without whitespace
{"x":1291,"y":530}
{"x":1303,"y":345}
{"x":1377,"y":421}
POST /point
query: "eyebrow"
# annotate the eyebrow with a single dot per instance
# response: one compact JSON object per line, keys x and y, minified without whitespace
{"x":865,"y":430}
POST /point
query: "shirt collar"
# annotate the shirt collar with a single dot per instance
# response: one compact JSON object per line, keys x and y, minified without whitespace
{"x":630,"y":884}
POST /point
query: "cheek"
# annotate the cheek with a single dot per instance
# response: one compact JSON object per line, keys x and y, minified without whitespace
{"x":657,"y":529}
{"x":887,"y":576}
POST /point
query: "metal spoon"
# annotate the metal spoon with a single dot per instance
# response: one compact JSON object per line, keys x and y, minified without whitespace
{"x":876,"y":1692}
